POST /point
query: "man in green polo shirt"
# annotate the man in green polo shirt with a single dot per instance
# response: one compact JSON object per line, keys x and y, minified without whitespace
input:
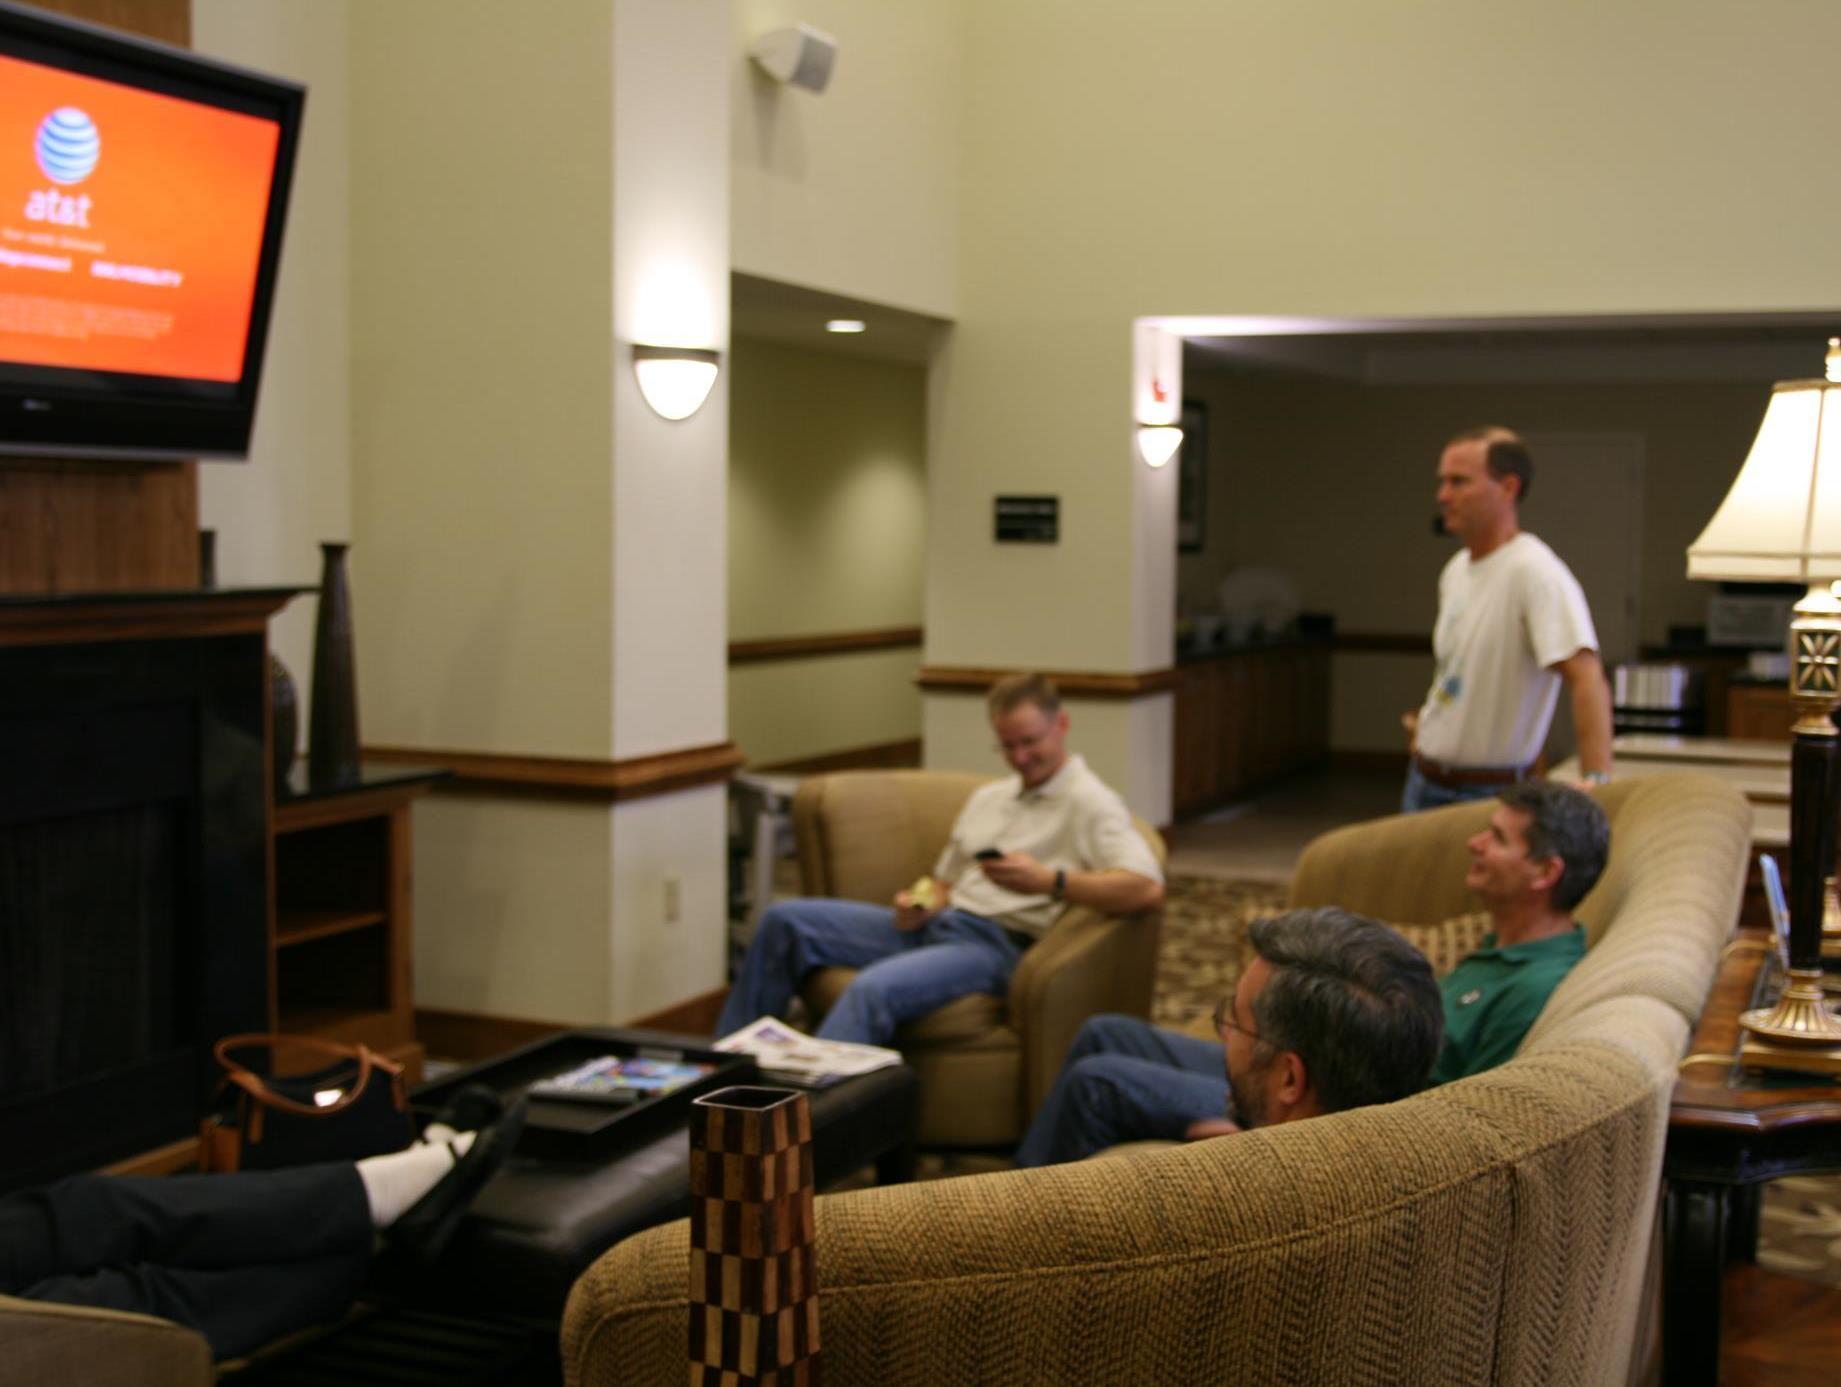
{"x":1126,"y":1080}
{"x":1543,"y":850}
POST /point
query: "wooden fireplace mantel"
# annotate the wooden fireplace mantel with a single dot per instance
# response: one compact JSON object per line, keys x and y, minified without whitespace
{"x":130,"y":616}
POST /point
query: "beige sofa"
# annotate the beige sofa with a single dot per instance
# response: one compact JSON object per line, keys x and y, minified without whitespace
{"x":985,"y":1063}
{"x":1498,"y":1229}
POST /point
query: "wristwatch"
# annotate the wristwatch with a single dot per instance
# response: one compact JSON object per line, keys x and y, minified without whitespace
{"x":1061,"y":884}
{"x":1596,"y":777}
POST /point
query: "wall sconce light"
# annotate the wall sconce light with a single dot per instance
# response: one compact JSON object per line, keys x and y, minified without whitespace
{"x":1157,"y":443}
{"x":675,"y":380}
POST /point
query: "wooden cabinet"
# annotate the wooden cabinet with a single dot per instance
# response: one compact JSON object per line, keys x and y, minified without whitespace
{"x":1247,"y":717}
{"x":1759,"y":712}
{"x":341,"y":943}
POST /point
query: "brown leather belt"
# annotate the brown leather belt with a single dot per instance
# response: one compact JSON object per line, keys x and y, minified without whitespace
{"x":1452,"y":776}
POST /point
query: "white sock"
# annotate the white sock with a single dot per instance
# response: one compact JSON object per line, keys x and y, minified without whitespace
{"x":437,"y":1132}
{"x":394,"y":1182}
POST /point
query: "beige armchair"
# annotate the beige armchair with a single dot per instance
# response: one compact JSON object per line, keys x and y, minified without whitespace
{"x":985,"y":1063}
{"x":48,"y":1344}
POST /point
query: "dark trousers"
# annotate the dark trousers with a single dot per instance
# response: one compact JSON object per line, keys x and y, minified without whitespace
{"x":241,"y":1258}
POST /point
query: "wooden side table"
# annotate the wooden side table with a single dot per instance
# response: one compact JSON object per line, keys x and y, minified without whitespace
{"x":1729,"y":1131}
{"x":342,"y":939}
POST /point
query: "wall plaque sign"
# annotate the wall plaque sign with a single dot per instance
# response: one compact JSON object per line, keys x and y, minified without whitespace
{"x":1028,"y":519}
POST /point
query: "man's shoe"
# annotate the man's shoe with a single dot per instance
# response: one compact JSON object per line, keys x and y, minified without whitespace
{"x":424,"y":1231}
{"x":472,"y":1109}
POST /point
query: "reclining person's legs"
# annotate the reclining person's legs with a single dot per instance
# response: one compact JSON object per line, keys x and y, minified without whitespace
{"x":1125,"y":1080}
{"x":240,"y":1258}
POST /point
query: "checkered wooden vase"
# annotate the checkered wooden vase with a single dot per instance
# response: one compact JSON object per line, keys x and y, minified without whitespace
{"x":753,"y":1281}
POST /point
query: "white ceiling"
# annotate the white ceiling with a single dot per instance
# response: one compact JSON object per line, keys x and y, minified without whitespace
{"x":768,"y":310}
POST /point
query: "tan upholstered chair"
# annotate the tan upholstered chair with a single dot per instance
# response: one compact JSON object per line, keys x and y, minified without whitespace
{"x":49,"y":1345}
{"x":985,"y":1063}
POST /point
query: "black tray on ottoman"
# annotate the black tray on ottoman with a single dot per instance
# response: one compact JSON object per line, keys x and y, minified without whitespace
{"x":543,"y":1218}
{"x":580,"y":1130}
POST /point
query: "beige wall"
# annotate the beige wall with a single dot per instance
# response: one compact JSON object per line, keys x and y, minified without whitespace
{"x":271,"y":512}
{"x":481,"y":168}
{"x":855,"y":190}
{"x":827,"y":533}
{"x":1347,"y":159}
{"x":539,"y":557}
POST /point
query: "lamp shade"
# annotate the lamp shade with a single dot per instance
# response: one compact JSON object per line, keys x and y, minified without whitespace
{"x":1781,"y":521}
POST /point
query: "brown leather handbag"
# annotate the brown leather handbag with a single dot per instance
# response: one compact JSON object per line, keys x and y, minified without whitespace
{"x":354,"y":1106}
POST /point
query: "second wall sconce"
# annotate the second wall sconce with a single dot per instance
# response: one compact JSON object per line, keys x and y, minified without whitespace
{"x":1157,"y":443}
{"x":675,"y":380}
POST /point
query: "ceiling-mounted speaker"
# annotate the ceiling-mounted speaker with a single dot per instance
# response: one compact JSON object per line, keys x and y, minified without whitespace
{"x":800,"y":56}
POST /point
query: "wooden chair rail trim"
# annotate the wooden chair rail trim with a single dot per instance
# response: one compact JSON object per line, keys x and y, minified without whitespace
{"x":635,"y":778}
{"x":837,"y":643}
{"x":1073,"y":683}
{"x":897,"y":755}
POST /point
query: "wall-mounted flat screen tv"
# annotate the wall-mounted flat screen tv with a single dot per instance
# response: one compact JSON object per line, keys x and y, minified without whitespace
{"x":143,"y":191}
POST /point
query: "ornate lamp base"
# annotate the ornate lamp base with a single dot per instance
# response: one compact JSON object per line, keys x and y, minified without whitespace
{"x":1800,"y":1023}
{"x":1800,"y":1017}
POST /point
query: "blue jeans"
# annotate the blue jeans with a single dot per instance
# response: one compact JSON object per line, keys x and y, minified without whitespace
{"x":1126,"y":1080}
{"x":1421,"y":793}
{"x":905,"y":973}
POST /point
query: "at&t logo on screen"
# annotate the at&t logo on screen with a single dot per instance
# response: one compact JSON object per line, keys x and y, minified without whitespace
{"x":67,"y":147}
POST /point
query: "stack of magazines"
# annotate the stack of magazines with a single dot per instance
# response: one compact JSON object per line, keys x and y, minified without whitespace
{"x":794,"y":1057}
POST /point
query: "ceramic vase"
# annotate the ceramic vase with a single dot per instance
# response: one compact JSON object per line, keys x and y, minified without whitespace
{"x":753,"y":1279}
{"x":332,"y":729}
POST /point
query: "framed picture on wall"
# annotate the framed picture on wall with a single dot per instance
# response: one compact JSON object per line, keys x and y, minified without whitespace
{"x":1192,"y":479}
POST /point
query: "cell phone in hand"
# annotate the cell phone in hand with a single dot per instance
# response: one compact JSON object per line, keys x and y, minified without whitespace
{"x":988,"y":854}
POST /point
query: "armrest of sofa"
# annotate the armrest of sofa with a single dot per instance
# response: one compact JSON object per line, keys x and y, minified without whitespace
{"x":1086,"y":963}
{"x":50,"y":1345}
{"x":1385,"y":1236}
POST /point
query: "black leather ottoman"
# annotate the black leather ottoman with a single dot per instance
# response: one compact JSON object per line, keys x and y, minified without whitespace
{"x":543,"y":1219}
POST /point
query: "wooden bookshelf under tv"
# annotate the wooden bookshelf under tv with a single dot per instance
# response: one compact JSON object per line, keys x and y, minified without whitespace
{"x":342,"y":941}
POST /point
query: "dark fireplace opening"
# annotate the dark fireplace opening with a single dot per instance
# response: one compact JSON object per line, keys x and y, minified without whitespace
{"x":133,"y":891}
{"x":88,"y":914}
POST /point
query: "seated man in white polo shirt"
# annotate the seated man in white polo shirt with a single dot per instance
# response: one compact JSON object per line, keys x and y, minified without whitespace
{"x":1022,"y":847}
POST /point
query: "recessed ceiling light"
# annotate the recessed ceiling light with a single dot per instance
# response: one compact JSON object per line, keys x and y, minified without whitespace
{"x":846,"y":325}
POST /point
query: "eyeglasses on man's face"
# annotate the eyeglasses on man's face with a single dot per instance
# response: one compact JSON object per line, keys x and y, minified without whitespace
{"x":1224,"y":1021}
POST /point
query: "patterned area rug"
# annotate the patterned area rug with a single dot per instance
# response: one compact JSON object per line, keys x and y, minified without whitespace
{"x":1204,"y":925}
{"x":1204,"y":931}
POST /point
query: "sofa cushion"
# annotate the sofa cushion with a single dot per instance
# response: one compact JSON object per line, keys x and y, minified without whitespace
{"x":1448,"y":942}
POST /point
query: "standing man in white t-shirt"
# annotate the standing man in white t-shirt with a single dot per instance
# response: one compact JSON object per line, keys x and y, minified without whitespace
{"x":1513,"y":627}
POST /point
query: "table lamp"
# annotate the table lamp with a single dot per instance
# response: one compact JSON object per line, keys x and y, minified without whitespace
{"x":1781,"y":521}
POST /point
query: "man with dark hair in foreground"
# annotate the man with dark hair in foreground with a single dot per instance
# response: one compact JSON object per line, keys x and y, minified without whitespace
{"x":1310,"y":1031}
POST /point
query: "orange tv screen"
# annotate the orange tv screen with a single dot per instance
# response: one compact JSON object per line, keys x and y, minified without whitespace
{"x":130,"y":226}
{"x":143,"y":193}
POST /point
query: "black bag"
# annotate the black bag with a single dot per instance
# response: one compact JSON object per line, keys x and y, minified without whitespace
{"x":354,"y":1107}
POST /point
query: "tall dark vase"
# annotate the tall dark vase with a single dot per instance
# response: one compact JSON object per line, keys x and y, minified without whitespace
{"x":284,"y":721}
{"x":332,"y":729}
